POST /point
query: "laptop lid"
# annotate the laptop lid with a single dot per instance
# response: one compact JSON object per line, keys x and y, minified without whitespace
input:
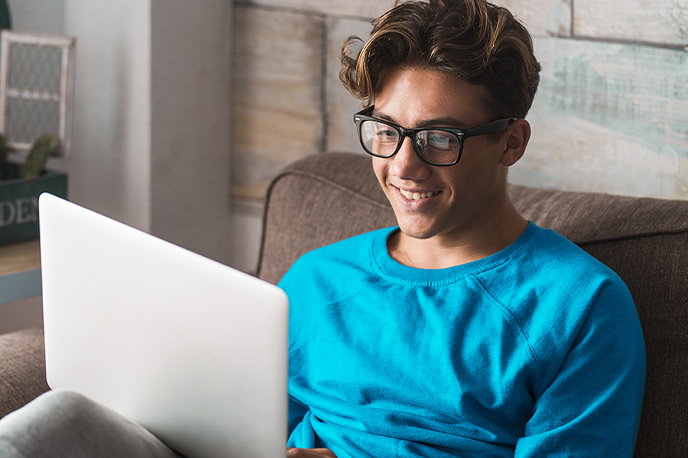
{"x":193,"y":350}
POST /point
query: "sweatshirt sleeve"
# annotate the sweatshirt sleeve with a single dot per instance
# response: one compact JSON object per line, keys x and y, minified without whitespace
{"x":293,"y":283}
{"x":591,"y":408}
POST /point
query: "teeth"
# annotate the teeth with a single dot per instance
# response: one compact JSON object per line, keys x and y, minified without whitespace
{"x":416,"y":195}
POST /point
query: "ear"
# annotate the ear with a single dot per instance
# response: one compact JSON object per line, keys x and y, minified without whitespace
{"x":516,"y":139}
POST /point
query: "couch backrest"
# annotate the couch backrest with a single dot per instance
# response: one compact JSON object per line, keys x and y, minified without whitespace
{"x":328,"y":197}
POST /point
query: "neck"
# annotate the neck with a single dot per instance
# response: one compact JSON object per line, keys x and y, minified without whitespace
{"x":461,"y":246}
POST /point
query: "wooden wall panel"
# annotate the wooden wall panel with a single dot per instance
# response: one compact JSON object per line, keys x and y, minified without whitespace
{"x":588,"y":117}
{"x":360,"y":8}
{"x":609,"y":118}
{"x":542,"y":17}
{"x":277,"y":104}
{"x":657,"y":21}
{"x":341,"y":106}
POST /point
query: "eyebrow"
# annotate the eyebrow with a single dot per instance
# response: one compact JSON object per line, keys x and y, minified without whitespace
{"x":434,"y":122}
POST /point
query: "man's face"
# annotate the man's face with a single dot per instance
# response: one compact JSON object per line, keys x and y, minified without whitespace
{"x":454,"y":201}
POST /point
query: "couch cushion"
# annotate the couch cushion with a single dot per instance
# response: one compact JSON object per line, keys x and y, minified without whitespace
{"x":331,"y":196}
{"x":317,"y":201}
{"x":22,"y":359}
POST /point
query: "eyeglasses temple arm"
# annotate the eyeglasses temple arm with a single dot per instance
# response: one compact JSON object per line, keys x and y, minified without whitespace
{"x":489,"y":128}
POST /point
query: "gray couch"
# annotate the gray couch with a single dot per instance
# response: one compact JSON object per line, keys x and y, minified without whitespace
{"x":327,"y":197}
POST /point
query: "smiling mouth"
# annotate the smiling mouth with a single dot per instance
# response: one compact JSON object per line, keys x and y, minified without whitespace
{"x":416,"y":195}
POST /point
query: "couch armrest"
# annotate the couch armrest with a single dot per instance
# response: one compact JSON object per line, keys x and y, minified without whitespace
{"x":22,"y":368}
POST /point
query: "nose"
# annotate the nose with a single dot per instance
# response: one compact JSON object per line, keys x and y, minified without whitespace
{"x":407,"y":165}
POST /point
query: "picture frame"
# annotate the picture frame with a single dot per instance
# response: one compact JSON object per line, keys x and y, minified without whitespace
{"x":36,"y":88}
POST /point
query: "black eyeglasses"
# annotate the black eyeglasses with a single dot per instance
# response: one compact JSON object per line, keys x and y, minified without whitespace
{"x":440,"y":146}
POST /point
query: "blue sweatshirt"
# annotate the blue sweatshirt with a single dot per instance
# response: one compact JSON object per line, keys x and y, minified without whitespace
{"x":534,"y":351}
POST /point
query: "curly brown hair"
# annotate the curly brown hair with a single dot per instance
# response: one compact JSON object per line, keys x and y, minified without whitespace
{"x":475,"y":40}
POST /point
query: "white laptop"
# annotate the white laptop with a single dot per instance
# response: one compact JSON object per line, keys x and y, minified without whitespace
{"x":193,"y":350}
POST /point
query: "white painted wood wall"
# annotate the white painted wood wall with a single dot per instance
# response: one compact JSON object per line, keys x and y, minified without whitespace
{"x":611,"y":113}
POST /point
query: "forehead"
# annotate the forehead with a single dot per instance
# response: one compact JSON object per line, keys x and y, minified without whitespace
{"x":411,"y":96}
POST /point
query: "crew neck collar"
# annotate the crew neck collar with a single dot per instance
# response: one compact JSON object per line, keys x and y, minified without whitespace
{"x":391,"y":268}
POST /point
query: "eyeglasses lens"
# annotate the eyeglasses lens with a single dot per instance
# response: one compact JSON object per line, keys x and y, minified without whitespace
{"x":438,"y":146}
{"x":379,"y":139}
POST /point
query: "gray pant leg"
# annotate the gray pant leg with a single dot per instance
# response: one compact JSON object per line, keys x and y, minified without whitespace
{"x":65,"y":424}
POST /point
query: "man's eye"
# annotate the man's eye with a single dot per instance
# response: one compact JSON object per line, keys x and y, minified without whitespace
{"x":386,"y":134}
{"x":439,"y":141}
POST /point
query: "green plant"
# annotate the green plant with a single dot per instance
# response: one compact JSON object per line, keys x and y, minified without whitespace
{"x":38,"y":156}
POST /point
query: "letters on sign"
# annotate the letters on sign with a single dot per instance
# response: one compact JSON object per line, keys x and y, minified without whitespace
{"x":18,"y":211}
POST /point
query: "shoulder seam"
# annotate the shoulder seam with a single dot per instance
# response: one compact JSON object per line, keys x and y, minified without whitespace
{"x":513,"y":319}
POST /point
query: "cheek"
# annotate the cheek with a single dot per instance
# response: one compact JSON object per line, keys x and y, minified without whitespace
{"x":380,"y":169}
{"x":486,"y":149}
{"x":481,"y":155}
{"x":473,"y":172}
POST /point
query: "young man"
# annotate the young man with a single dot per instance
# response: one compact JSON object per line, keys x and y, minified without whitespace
{"x":466,"y":330}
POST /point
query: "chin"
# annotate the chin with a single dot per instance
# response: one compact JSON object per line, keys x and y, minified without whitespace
{"x":416,"y":232}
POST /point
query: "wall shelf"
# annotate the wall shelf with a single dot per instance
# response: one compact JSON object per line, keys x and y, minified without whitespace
{"x":20,"y":271}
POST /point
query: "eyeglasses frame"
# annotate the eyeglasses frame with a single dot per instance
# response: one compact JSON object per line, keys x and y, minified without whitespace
{"x":491,"y":127}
